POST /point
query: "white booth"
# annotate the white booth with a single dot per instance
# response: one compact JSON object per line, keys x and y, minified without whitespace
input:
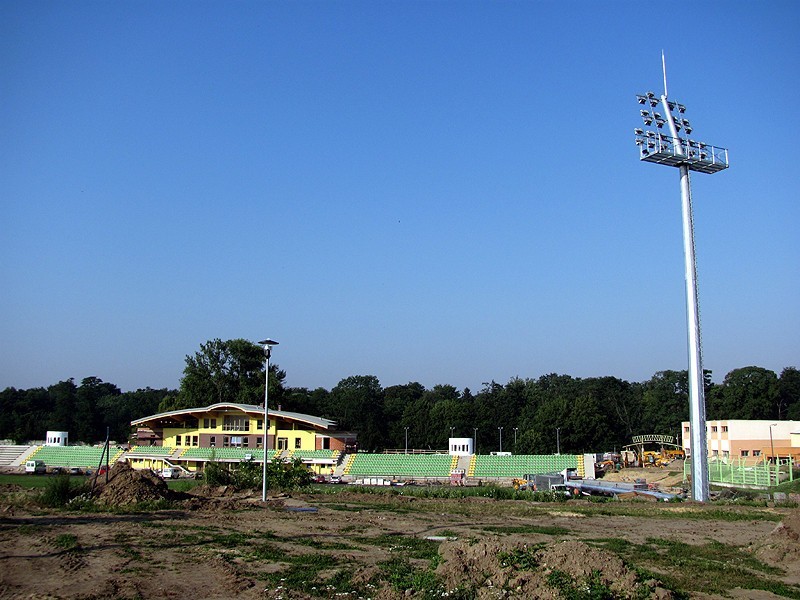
{"x":57,"y":438}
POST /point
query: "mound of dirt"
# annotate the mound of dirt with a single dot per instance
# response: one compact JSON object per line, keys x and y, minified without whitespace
{"x":129,"y":486}
{"x":496,"y":568}
{"x":782,"y":546}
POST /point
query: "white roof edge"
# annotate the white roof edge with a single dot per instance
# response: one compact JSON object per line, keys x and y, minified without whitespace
{"x":248,"y":408}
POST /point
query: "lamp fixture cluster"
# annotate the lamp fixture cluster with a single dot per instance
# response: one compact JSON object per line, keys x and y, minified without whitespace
{"x":674,"y":150}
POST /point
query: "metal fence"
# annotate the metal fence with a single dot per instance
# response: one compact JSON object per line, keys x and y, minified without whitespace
{"x":740,"y":472}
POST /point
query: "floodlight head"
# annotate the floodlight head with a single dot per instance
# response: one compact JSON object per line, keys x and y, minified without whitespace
{"x":671,"y":105}
{"x":651,"y":95}
{"x":681,"y":108}
{"x":268,"y":342}
{"x":638,"y":131}
{"x":641,"y":99}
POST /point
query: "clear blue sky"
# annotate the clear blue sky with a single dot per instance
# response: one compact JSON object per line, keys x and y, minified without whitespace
{"x":442,"y":192}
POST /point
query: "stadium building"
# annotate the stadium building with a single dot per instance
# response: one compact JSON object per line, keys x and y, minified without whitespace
{"x":229,"y":432}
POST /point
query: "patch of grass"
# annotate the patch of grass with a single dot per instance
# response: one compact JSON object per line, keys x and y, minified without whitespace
{"x":541,"y":529}
{"x":27,"y":529}
{"x":712,"y":568}
{"x":406,"y":545}
{"x":402,"y":575}
{"x":26,"y":481}
{"x":66,"y":541}
{"x":323,"y":545}
{"x":183,"y":485}
{"x":571,"y":589}
{"x":269,"y":552}
{"x":521,"y":559}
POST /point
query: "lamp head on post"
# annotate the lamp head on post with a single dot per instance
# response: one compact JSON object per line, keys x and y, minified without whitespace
{"x":268,"y":344}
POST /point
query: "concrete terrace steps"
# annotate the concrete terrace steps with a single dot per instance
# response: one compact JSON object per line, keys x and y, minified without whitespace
{"x":15,"y":455}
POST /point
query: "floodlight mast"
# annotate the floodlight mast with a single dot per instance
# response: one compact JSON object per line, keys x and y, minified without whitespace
{"x":687,"y":155}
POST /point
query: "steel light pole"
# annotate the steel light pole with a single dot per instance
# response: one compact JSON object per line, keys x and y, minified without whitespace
{"x":772,"y":444}
{"x":406,"y":428}
{"x":687,"y":155}
{"x":515,"y":438}
{"x":268,"y":344}
{"x":500,"y":429}
{"x":475,"y":440}
{"x":558,"y":440}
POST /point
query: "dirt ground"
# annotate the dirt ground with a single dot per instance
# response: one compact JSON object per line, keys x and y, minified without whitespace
{"x":223,"y":544}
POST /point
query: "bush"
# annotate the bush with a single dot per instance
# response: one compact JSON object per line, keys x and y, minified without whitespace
{"x":58,"y":491}
{"x":216,"y":474}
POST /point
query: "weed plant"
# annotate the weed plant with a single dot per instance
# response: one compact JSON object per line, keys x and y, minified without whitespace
{"x":59,"y":491}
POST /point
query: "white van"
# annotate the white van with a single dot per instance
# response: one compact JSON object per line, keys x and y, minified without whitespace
{"x":169,"y":473}
{"x":35,"y":466}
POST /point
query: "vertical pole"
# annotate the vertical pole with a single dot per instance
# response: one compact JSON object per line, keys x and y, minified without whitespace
{"x":266,"y":428}
{"x":697,"y":401}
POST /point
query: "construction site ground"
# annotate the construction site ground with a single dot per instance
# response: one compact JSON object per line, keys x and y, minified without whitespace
{"x":340,"y":542}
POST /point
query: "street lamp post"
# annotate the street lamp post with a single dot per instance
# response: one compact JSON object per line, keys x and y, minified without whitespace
{"x":475,"y":440}
{"x":268,"y":344}
{"x":406,"y":428}
{"x":500,"y":429}
{"x":558,"y":440}
{"x":688,"y":155}
{"x":772,"y":444}
{"x":515,"y":438}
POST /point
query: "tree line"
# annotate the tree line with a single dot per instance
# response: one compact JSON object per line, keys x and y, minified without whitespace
{"x":528,"y":416}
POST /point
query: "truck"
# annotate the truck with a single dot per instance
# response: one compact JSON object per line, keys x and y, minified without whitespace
{"x":35,"y":467}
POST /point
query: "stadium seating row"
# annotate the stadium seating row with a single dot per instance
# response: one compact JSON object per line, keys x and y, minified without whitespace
{"x":519,"y":465}
{"x":425,"y":465}
{"x":73,"y":456}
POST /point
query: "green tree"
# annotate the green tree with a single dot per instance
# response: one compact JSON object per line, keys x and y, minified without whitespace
{"x":750,"y":393}
{"x":396,"y":400}
{"x":789,"y":394}
{"x":118,"y":411}
{"x":228,"y":371}
{"x":88,"y":418}
{"x":665,"y":403}
{"x":356,"y":403}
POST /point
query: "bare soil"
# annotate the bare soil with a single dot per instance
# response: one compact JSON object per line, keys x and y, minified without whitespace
{"x":220,"y":543}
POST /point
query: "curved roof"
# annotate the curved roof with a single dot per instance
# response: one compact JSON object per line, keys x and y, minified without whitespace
{"x":246,"y":408}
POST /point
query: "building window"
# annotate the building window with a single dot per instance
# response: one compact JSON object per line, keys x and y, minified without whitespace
{"x":226,"y":441}
{"x":212,"y":441}
{"x":686,"y":429}
{"x":724,"y":429}
{"x":245,"y":441}
{"x":236,"y":423}
{"x":297,"y":443}
{"x":236,"y":441}
{"x":283,"y":443}
{"x":745,"y":452}
{"x":177,"y":440}
{"x":259,"y":442}
{"x":192,"y":423}
{"x":756,"y":452}
{"x":194,"y":440}
{"x":209,"y":423}
{"x":715,"y":452}
{"x":725,"y":454}
{"x":260,"y":424}
{"x":713,"y":429}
